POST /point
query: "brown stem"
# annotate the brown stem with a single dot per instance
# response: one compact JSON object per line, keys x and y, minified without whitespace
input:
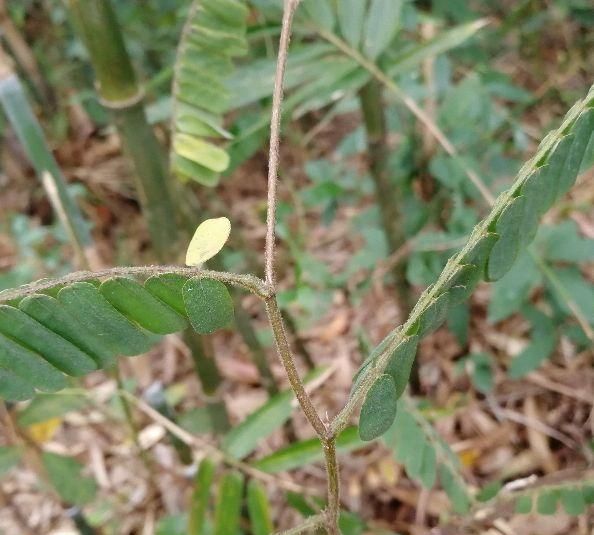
{"x":286,"y":357}
{"x":275,"y":126}
{"x":332,"y":473}
{"x":274,"y":315}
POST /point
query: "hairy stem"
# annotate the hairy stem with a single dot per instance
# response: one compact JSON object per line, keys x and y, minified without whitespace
{"x":275,"y":126}
{"x":286,"y":357}
{"x":330,"y":518}
{"x":248,"y":282}
{"x":332,"y":473}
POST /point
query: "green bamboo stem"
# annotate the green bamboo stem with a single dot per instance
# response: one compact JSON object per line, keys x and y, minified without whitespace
{"x":386,"y":193}
{"x":123,"y":96}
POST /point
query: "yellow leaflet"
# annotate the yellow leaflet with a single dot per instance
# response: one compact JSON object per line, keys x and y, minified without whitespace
{"x":208,"y":240}
{"x":44,"y":431}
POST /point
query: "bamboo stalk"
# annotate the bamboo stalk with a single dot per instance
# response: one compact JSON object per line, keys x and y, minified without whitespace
{"x":386,"y":193}
{"x":123,"y":96}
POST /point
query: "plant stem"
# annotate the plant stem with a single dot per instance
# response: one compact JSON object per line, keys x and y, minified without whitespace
{"x":330,"y":518}
{"x":332,"y":474}
{"x":248,"y":282}
{"x":143,"y":148}
{"x":275,"y":126}
{"x":387,"y":194}
{"x":286,"y":357}
{"x":121,"y":94}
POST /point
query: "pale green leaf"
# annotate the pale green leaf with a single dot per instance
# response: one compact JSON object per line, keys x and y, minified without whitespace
{"x":209,"y":238}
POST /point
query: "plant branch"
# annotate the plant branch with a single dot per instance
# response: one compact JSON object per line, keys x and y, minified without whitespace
{"x":275,"y":127}
{"x":286,"y":357}
{"x":330,"y":516}
{"x":248,"y":282}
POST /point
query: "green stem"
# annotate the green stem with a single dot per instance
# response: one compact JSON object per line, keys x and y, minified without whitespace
{"x":120,"y":93}
{"x":387,"y":194}
{"x":156,"y":199}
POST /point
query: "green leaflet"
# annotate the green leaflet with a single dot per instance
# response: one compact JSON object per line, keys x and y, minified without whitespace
{"x":30,"y":368}
{"x":506,"y":248}
{"x":228,"y":506}
{"x":89,"y":324}
{"x":581,"y":131}
{"x":136,"y":303}
{"x":523,"y":505}
{"x":434,"y":315}
{"x":52,"y":314}
{"x":350,"y":20}
{"x":320,"y":11}
{"x":65,"y":476}
{"x":44,"y":407}
{"x":574,"y":496}
{"x":400,"y":364}
{"x":381,"y":25}
{"x":379,"y":409}
{"x":573,"y":501}
{"x":495,"y":242}
{"x":13,"y":388}
{"x":200,"y":497}
{"x":546,"y":502}
{"x":304,"y":452}
{"x":456,"y":493}
{"x":96,"y":314}
{"x":168,"y":288}
{"x":244,"y":438}
{"x":539,"y":349}
{"x":213,"y":35}
{"x":423,"y":453}
{"x":259,"y":509}
{"x":209,"y":305}
{"x":56,"y":350}
{"x":464,"y":284}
